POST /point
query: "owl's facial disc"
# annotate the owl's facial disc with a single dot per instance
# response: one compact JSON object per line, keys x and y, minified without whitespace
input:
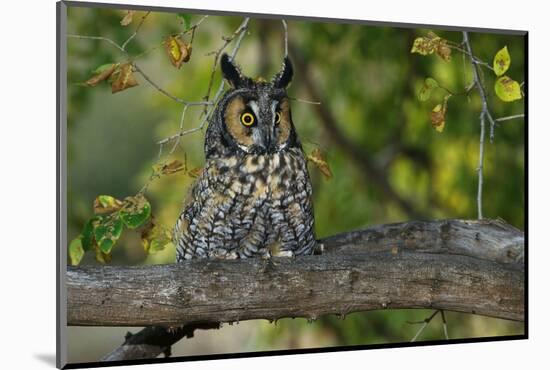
{"x":260,"y":124}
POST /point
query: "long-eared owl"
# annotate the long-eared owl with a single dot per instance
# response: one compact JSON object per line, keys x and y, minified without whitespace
{"x":254,"y":195}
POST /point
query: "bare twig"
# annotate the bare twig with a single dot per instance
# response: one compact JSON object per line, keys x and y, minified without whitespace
{"x":85,"y":37}
{"x":427,"y":320}
{"x":501,"y":119}
{"x":136,"y":31}
{"x":424,"y":323}
{"x":239,"y":31}
{"x":163,"y":91}
{"x":484,"y":114}
{"x":305,"y":101}
{"x":444,"y":321}
{"x":176,"y":143}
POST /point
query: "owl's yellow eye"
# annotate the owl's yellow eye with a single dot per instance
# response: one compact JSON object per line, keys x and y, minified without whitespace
{"x":247,"y":119}
{"x":277,"y":117}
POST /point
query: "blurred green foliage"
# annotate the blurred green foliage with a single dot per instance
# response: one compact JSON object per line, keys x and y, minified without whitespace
{"x":369,"y":81}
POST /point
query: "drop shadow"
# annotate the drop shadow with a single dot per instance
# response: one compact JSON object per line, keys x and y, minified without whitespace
{"x":47,"y":358}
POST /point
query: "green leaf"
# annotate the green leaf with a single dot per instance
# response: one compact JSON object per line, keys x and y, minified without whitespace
{"x":507,"y":89}
{"x":107,"y":231}
{"x":88,"y":234}
{"x":76,"y":252}
{"x":502,"y":61}
{"x":186,"y":20}
{"x":426,"y":90}
{"x":136,"y":211}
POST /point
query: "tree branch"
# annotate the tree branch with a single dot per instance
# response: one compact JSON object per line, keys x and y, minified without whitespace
{"x":465,"y":266}
{"x":456,"y":265}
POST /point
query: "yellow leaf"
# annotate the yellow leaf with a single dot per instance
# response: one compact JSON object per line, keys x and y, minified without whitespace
{"x":502,"y":61}
{"x":426,"y":90}
{"x":318,"y":159}
{"x":507,"y":89}
{"x":194,"y":172}
{"x":127,"y":18}
{"x":125,"y":79}
{"x":106,"y":204}
{"x":102,"y":76}
{"x":178,"y":51}
{"x":423,"y":46}
{"x":444,"y":51}
{"x":431,"y":43}
{"x":76,"y":252}
{"x":172,"y":167}
{"x":437,"y":116}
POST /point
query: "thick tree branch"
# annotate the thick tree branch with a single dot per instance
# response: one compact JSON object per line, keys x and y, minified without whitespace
{"x":465,"y":266}
{"x":456,"y":265}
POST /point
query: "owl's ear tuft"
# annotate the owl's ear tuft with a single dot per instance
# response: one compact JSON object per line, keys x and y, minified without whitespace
{"x":230,"y":72}
{"x":284,"y":77}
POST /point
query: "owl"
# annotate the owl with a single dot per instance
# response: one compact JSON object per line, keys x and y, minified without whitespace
{"x":254,"y":195}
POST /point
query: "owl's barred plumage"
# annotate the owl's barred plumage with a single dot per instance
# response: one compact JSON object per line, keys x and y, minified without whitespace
{"x":254,"y":195}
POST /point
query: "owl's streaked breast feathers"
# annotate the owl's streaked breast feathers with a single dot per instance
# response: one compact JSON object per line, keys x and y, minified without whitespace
{"x":254,"y":196}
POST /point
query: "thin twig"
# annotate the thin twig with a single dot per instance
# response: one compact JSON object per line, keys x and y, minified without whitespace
{"x":424,"y":323}
{"x":240,"y":32}
{"x":85,"y":37}
{"x":501,"y":119}
{"x":136,"y":31}
{"x":444,"y":321}
{"x":305,"y":101}
{"x":176,"y":143}
{"x":484,"y":114}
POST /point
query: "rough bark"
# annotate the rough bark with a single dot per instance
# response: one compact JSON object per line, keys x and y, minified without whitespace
{"x":456,"y":265}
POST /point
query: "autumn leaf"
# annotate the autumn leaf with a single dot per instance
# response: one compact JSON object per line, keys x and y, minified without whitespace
{"x":507,"y":89}
{"x":102,"y":257}
{"x":437,"y":116}
{"x":426,"y":90}
{"x":194,"y":172}
{"x":125,"y":79}
{"x":127,"y":18}
{"x":178,"y":51}
{"x":502,"y":61}
{"x":318,"y":159}
{"x":426,"y":45}
{"x":444,"y":51}
{"x":76,"y":251}
{"x":423,"y":46}
{"x":106,"y":204}
{"x":154,"y":237}
{"x":172,"y":167}
{"x":101,"y":74}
